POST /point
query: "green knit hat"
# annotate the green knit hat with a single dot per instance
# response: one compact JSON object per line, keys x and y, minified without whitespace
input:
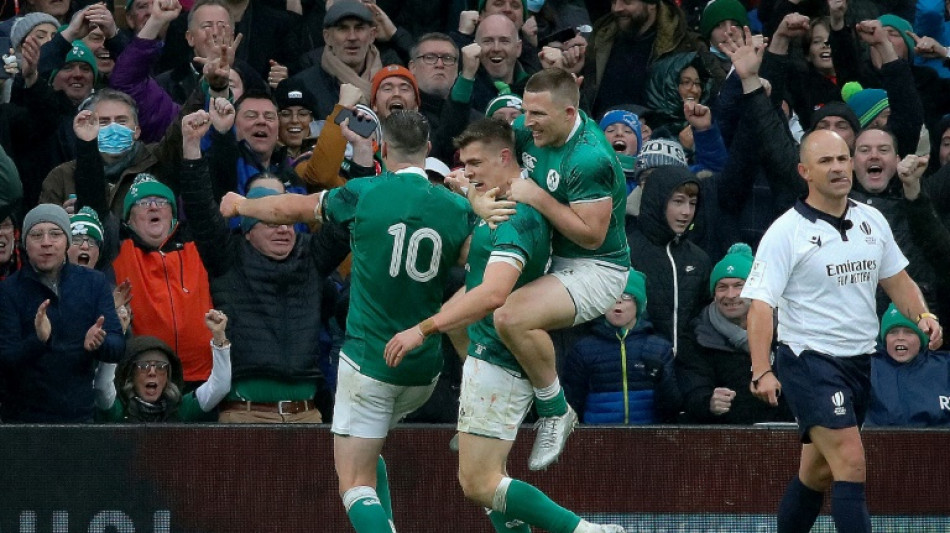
{"x":902,"y":26}
{"x":736,"y":264}
{"x":867,"y":104}
{"x":81,"y":53}
{"x":894,"y":318}
{"x":718,"y":11}
{"x":86,"y":222}
{"x":146,"y":185}
{"x":501,"y":102}
{"x":637,"y":287}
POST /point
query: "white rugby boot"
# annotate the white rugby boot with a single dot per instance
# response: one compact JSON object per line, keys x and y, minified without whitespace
{"x":552,"y":435}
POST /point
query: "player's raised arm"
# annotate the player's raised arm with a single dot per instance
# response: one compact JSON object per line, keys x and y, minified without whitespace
{"x":283,"y":209}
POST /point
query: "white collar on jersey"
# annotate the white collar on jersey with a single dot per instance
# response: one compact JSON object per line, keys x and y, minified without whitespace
{"x":412,"y":170}
{"x":577,"y":126}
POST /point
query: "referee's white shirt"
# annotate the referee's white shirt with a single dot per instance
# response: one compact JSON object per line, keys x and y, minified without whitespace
{"x":821,"y":273}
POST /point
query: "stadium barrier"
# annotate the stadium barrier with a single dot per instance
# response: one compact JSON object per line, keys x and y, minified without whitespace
{"x":225,"y":478}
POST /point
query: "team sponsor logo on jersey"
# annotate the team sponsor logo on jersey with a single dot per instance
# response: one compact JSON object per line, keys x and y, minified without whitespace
{"x":816,"y":240}
{"x":837,"y":399}
{"x":528,"y":161}
{"x":554,"y":179}
{"x":851,"y":272}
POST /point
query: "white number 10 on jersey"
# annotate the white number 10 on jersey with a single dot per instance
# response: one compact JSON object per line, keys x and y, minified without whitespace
{"x":398,"y":231}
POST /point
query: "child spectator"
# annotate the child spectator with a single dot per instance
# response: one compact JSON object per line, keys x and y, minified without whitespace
{"x":622,"y":373}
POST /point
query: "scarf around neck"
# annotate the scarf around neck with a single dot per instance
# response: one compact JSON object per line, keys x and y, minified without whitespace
{"x":735,"y":335}
{"x":342,"y":72}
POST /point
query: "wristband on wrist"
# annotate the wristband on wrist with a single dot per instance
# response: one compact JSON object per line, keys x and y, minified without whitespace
{"x":427,"y":327}
{"x":926,"y":315}
{"x":755,"y":381}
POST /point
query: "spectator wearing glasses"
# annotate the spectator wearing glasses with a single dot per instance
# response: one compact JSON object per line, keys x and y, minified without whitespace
{"x":435,"y":65}
{"x":169,"y":283}
{"x":109,"y":154}
{"x":148,"y":384}
{"x":56,"y":320}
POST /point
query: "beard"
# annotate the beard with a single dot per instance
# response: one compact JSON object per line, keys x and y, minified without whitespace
{"x":634,"y":23}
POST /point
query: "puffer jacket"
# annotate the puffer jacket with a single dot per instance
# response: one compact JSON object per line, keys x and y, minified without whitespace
{"x":677,"y":270}
{"x":274,"y":306}
{"x":614,"y":376}
{"x":913,"y":394}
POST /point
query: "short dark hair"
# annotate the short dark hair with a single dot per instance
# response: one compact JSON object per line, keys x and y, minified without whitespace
{"x":690,"y":188}
{"x":560,"y":83}
{"x":431,"y":36}
{"x":406,"y":132}
{"x":885,"y":130}
{"x":254,"y":94}
{"x":488,"y":131}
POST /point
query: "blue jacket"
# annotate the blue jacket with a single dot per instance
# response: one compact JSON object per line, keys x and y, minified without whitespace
{"x":605,"y":364}
{"x":52,"y":382}
{"x":913,"y":394}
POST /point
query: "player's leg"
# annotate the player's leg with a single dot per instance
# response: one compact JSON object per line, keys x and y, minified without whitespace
{"x":844,"y":451}
{"x":361,"y":420}
{"x":487,"y":430}
{"x":355,"y":459}
{"x":804,"y":495}
{"x":522,"y":323}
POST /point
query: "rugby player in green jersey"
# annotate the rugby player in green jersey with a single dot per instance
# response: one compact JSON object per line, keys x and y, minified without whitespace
{"x":405,"y":235}
{"x":577,"y":184}
{"x":496,"y":394}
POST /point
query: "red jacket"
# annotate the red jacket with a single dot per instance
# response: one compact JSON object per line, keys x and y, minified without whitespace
{"x":170,"y":296}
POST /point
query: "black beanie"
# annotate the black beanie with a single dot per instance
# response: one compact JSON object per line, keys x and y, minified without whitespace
{"x":836,"y":109}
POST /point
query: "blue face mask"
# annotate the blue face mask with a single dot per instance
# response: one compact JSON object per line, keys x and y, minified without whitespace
{"x":535,"y":5}
{"x":115,"y":139}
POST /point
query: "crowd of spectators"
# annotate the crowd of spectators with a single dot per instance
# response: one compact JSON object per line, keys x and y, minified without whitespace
{"x":122,"y":124}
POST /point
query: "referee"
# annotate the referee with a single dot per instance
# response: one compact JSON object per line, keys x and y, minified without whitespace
{"x":820,"y":264}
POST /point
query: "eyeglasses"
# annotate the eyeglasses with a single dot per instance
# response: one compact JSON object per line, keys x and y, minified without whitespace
{"x":161,"y":367}
{"x":39,"y":235}
{"x":148,"y":202}
{"x":6,"y":227}
{"x":432,"y":59}
{"x":269,"y":116}
{"x":691,"y":83}
{"x":79,"y":240}
{"x":626,"y":297}
{"x":290,"y":114}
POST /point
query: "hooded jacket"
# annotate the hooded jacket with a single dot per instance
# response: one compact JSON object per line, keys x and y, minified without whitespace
{"x":125,"y":373}
{"x":677,"y":270}
{"x":913,"y":394}
{"x":622,"y":377}
{"x":662,"y":91}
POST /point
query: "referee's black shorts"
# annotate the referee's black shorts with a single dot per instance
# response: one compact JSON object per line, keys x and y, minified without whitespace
{"x":826,"y":391}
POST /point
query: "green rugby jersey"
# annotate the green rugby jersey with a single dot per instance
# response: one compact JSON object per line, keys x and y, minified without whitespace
{"x":526,"y":236}
{"x":405,"y":235}
{"x":586,"y":168}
